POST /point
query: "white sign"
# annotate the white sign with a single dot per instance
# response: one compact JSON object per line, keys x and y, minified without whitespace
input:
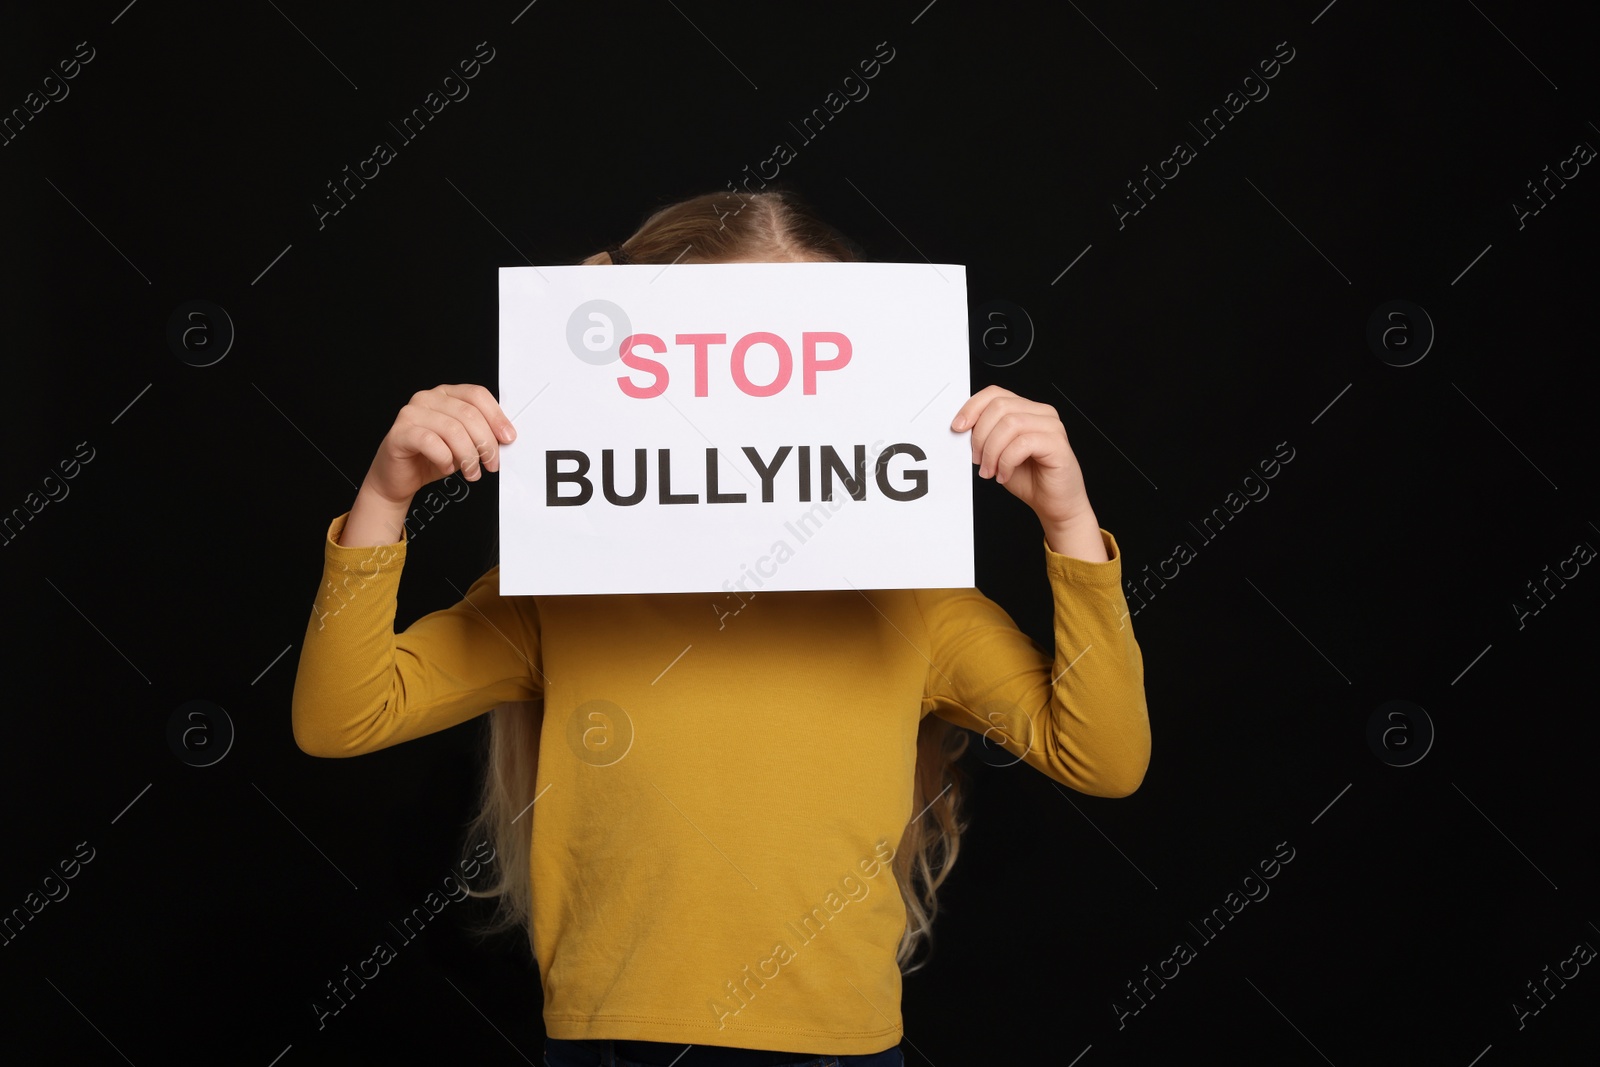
{"x":734,"y":426}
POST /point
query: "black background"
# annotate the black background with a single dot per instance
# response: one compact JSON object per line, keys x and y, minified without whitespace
{"x":1226,"y":317}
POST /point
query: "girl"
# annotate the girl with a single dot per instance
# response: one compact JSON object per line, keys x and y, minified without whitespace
{"x":722,"y":828}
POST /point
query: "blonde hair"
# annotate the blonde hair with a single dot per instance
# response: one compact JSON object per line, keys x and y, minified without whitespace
{"x":719,"y":227}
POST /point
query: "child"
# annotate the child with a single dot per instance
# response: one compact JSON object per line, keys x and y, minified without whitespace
{"x":723,"y":828}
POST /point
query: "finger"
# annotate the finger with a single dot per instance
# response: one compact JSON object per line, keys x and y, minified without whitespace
{"x":998,"y":409}
{"x":485,"y":402}
{"x":463,"y":453}
{"x":414,"y":437}
{"x":984,"y":419}
{"x":968,"y":413}
{"x":1003,"y":431}
{"x":473,"y":421}
{"x":1029,"y":444}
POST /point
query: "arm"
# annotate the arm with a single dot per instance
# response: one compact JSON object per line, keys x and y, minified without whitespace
{"x":362,"y":687}
{"x":1081,"y":719}
{"x":1078,"y":716}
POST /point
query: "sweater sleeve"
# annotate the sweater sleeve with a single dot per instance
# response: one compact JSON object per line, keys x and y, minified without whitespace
{"x":361,"y":686}
{"x":1079,"y":716}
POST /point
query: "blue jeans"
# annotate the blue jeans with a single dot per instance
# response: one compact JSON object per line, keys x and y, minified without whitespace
{"x":559,"y":1053}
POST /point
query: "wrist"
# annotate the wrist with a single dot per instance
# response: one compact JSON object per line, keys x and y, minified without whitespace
{"x":374,"y":519}
{"x":1078,"y":537}
{"x":368,"y":491}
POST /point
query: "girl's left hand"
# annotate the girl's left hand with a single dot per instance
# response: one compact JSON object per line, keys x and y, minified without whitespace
{"x":1023,"y":445}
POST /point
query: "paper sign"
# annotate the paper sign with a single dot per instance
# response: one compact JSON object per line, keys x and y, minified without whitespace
{"x":734,"y":426}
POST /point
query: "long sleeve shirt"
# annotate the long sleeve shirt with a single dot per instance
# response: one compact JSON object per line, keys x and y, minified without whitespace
{"x":720,"y":792}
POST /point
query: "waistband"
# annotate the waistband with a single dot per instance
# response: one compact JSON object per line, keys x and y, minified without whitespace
{"x":663,"y":1053}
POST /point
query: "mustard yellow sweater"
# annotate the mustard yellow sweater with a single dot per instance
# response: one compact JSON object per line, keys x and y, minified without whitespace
{"x":721,"y":788}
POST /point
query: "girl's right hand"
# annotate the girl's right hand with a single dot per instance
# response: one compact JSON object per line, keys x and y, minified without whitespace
{"x":438,"y":431}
